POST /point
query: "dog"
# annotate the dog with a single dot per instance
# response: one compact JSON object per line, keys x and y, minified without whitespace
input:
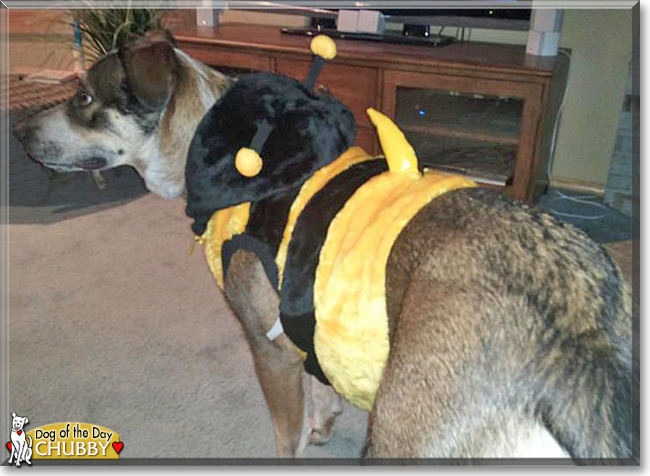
{"x":20,"y":447}
{"x":137,"y":106}
{"x":510,"y":332}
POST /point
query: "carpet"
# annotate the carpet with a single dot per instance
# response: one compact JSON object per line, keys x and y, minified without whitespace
{"x":113,"y":322}
{"x":589,"y":213}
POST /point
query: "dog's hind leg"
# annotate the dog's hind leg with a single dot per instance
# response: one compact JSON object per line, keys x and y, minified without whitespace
{"x":448,"y":389}
{"x":423,"y":398}
{"x":327,"y":406}
{"x":278,"y":365}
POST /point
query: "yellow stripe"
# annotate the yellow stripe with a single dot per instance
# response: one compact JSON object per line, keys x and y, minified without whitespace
{"x":223,"y":225}
{"x":351,"y":337}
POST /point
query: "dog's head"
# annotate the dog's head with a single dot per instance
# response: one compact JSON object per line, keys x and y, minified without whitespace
{"x":304,"y":133}
{"x":18,"y":422}
{"x":116,"y":109}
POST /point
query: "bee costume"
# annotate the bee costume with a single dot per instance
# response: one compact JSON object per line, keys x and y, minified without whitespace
{"x":271,"y":169}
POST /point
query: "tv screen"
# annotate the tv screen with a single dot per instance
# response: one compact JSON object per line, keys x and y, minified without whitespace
{"x":501,"y":16}
{"x":497,"y":18}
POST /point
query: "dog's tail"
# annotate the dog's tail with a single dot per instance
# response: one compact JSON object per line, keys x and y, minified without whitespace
{"x":592,"y":418}
{"x":590,"y":395}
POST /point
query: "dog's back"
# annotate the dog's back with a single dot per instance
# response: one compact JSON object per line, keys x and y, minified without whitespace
{"x":503,"y":322}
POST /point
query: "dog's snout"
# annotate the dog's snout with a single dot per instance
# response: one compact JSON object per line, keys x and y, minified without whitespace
{"x":23,"y":130}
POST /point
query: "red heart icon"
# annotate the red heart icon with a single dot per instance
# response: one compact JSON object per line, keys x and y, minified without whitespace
{"x":117,"y":446}
{"x":20,"y":432}
{"x":9,"y":445}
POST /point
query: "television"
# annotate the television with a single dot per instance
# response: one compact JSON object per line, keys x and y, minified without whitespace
{"x":408,"y":25}
{"x":497,"y":18}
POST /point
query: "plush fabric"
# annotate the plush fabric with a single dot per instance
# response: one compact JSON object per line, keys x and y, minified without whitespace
{"x":308,"y":131}
{"x":351,"y":334}
{"x":260,"y":226}
{"x":316,"y":182}
{"x":322,"y":222}
{"x":223,"y":225}
{"x":296,"y":293}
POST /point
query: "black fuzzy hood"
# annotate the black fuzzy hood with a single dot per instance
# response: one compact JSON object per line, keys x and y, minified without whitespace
{"x":308,"y":132}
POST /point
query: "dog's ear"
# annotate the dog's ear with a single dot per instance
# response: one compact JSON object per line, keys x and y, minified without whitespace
{"x":149,"y":71}
{"x":25,"y":421}
{"x":13,"y":414}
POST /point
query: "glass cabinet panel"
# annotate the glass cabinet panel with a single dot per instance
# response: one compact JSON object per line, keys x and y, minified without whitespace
{"x":475,"y":134}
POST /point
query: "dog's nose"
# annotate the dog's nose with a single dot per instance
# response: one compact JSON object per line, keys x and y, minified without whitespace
{"x":23,"y":130}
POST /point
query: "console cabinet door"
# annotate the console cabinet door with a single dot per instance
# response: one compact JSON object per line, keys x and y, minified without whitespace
{"x":355,"y":86}
{"x":228,"y":60}
{"x":485,"y":128}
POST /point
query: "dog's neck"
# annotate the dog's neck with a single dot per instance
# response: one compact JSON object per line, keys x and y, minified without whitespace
{"x":163,"y":170}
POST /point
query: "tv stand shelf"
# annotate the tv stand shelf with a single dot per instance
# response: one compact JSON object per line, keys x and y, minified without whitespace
{"x":465,"y":101}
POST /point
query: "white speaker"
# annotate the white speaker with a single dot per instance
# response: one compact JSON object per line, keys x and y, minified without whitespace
{"x":347,"y":20}
{"x":544,"y":34}
{"x":371,"y":21}
{"x":204,"y":17}
{"x":208,"y":15}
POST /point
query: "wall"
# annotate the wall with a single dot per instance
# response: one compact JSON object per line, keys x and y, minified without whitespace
{"x":602,"y":47}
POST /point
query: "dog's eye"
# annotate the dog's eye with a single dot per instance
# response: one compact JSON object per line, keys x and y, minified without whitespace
{"x":85,"y":99}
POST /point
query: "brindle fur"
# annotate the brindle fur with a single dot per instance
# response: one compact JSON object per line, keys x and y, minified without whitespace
{"x":503,"y":322}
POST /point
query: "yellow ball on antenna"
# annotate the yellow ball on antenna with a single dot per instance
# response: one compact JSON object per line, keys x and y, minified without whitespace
{"x":248,"y":162}
{"x":323,"y":45}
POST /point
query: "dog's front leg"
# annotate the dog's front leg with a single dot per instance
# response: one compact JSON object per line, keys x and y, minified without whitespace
{"x":278,"y":366}
{"x":19,"y":453}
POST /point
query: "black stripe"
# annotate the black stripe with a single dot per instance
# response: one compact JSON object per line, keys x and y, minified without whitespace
{"x":296,"y":295}
{"x":269,"y":216}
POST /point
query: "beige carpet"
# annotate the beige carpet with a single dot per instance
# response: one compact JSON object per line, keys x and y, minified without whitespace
{"x":112,"y":322}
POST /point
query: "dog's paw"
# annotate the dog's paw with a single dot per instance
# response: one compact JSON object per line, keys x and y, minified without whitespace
{"x":323,"y":434}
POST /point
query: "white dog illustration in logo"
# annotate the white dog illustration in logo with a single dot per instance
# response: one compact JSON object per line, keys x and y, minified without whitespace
{"x":19,"y":445}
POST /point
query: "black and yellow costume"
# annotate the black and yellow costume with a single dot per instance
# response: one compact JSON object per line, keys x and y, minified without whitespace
{"x":320,"y":214}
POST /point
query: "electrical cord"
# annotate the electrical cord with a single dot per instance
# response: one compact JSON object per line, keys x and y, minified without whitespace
{"x":584,"y":200}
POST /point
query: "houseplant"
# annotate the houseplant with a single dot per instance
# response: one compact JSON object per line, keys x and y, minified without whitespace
{"x":105,"y":29}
